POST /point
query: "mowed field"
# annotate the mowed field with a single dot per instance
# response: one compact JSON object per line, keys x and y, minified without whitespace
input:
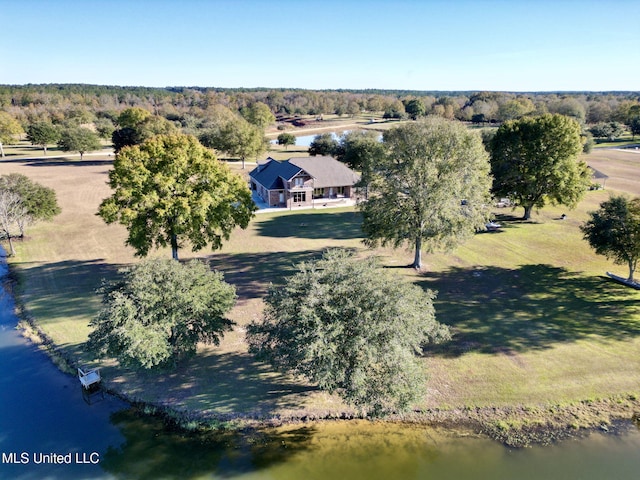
{"x":535,"y":322}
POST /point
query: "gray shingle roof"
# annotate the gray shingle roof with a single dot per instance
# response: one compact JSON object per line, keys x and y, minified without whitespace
{"x":326,"y":171}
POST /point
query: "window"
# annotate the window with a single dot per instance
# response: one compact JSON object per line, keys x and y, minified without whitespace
{"x":299,"y":197}
{"x":340,"y":190}
{"x":298,"y":181}
{"x":318,"y":193}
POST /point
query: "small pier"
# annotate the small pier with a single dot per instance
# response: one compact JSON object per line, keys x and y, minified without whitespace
{"x":91,"y":382}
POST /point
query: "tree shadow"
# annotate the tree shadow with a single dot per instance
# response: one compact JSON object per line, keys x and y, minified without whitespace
{"x":497,"y":310}
{"x":152,"y":450}
{"x":60,"y":162}
{"x":60,"y":290}
{"x":221,"y":385}
{"x":314,"y":225}
{"x":251,"y":273}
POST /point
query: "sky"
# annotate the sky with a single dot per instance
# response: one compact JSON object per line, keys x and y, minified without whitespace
{"x":454,"y":45}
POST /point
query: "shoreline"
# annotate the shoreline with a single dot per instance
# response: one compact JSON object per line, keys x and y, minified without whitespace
{"x":517,"y":426}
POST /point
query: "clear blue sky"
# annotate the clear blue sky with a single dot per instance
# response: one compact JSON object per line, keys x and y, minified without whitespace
{"x":505,"y":45}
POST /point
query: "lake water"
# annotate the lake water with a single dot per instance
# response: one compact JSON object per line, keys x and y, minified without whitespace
{"x":305,"y":140}
{"x":42,"y":413}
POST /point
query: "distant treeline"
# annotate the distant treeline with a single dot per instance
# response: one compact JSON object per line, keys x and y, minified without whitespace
{"x":190,"y":107}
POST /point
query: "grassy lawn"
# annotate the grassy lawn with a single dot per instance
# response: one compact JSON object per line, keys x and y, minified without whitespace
{"x":535,"y":321}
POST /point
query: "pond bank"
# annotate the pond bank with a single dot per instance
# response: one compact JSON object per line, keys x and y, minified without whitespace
{"x":517,"y":426}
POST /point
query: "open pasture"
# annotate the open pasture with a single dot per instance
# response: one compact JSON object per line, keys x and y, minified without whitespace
{"x":535,"y":321}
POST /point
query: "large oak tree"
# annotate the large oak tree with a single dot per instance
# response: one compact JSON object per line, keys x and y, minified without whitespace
{"x":352,"y":328}
{"x":535,"y":160}
{"x":171,"y":190}
{"x":159,"y":310}
{"x":430,"y":188}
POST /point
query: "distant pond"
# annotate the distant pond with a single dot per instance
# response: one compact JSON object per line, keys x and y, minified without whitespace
{"x":48,"y":431}
{"x":305,"y":140}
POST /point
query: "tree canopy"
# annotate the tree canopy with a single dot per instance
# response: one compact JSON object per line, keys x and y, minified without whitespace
{"x":9,"y":128}
{"x":79,"y":139}
{"x":534,"y":161}
{"x":608,"y":130}
{"x":634,"y":126}
{"x":22,"y":202}
{"x":139,"y":125}
{"x":171,"y":190}
{"x":430,"y":187}
{"x":40,"y":201}
{"x":159,"y":310}
{"x":237,"y":137}
{"x":132,"y":117}
{"x":258,"y":114}
{"x":43,"y":134}
{"x":286,"y":139}
{"x":351,"y":327}
{"x":323,"y":144}
{"x":614,"y":231}
{"x":358,"y":148}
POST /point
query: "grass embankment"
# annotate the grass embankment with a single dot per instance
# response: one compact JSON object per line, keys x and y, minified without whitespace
{"x":538,"y":329}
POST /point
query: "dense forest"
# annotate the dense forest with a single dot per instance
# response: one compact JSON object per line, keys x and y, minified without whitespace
{"x":198,"y":110}
{"x":190,"y":105}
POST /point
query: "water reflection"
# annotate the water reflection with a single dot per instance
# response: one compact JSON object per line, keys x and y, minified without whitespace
{"x":358,"y":450}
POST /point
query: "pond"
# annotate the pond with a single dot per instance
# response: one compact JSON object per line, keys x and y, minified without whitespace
{"x":48,"y":431}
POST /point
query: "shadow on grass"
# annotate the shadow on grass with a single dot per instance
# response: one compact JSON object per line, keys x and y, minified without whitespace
{"x":315,"y":225}
{"x":251,"y":273}
{"x":61,"y":162}
{"x":60,"y":290}
{"x":221,"y":384}
{"x":497,"y":310}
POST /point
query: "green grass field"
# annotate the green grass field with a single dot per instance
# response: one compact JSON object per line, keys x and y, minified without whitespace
{"x":535,"y":321}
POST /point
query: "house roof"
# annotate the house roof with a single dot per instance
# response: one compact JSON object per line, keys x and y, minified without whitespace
{"x":326,"y":172}
{"x":271,"y":174}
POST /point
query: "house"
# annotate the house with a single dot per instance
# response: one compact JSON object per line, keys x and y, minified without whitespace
{"x":303,"y":181}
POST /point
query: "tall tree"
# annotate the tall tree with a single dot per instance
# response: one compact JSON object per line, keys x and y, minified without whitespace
{"x":534,"y":161}
{"x":634,"y":127}
{"x":286,"y":139}
{"x":40,"y":201}
{"x":238,"y":138}
{"x":258,"y":114}
{"x":170,"y":190}
{"x":614,"y":231}
{"x":159,"y":311}
{"x":12,"y":213}
{"x":132,"y":117}
{"x":137,"y":131}
{"x":430,"y":188}
{"x":79,"y":139}
{"x":608,"y":130}
{"x":415,"y":108}
{"x":351,"y":327}
{"x":43,"y":134}
{"x":358,"y":148}
{"x":323,"y":144}
{"x":9,"y":128}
